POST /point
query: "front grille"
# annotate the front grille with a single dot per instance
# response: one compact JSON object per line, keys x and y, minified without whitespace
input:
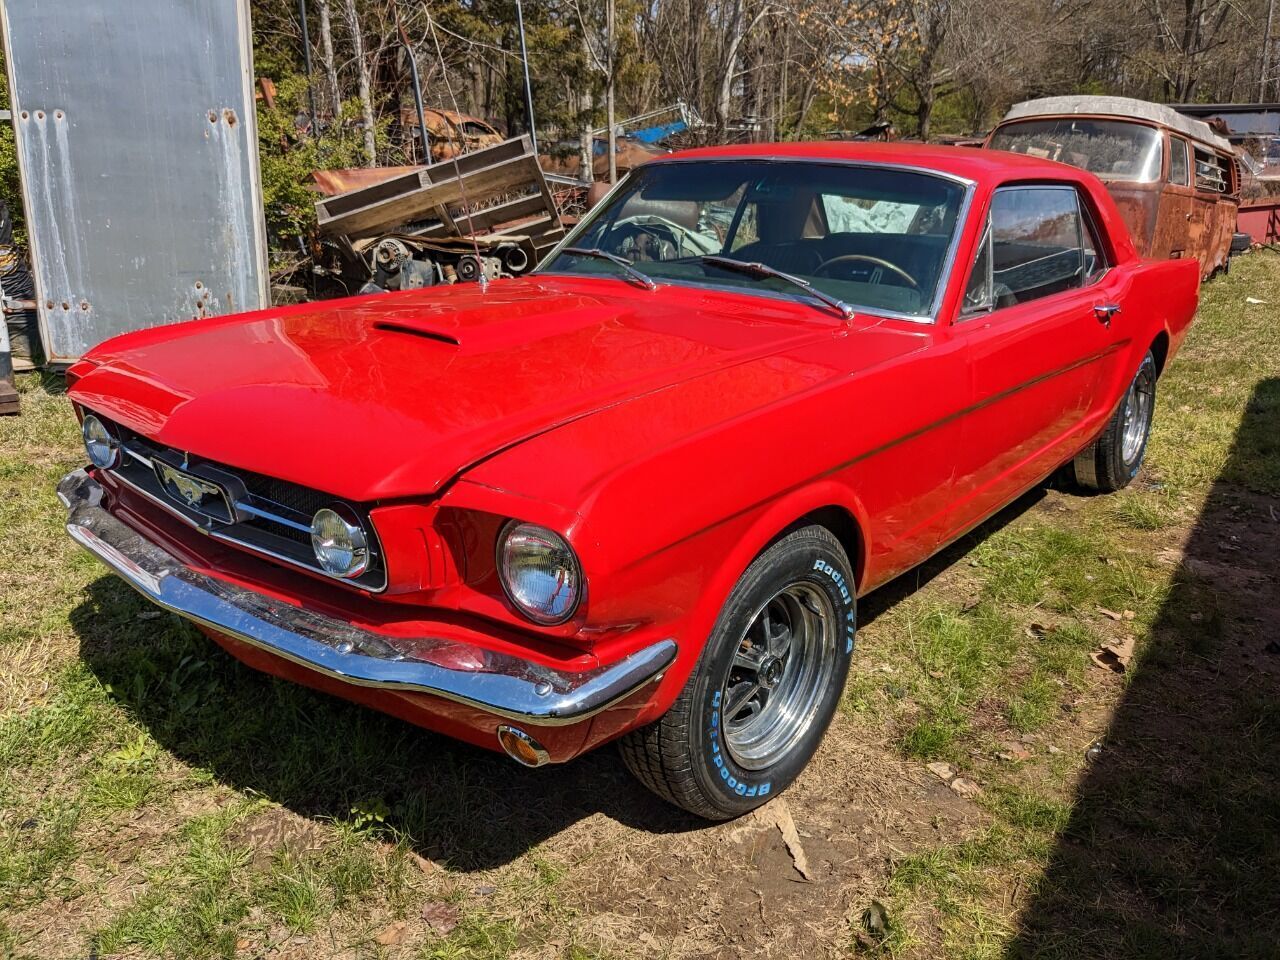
{"x":273,"y":517}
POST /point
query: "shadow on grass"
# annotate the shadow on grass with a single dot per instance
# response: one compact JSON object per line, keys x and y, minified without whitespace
{"x":322,"y":757}
{"x":1173,"y":845}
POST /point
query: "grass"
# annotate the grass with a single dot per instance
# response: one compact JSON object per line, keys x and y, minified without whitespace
{"x":993,"y":669}
{"x":138,"y":761}
{"x":160,"y":800}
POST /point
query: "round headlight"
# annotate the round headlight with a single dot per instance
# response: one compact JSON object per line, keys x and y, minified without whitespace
{"x":539,"y":572}
{"x":102,"y":447}
{"x":341,"y":547}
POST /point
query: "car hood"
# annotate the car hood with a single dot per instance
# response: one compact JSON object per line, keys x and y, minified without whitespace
{"x":393,"y":395}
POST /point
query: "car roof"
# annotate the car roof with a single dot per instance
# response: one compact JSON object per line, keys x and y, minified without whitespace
{"x":977,"y":164}
{"x":1122,"y":108}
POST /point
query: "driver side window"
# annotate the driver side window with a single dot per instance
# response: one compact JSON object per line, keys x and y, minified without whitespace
{"x":1036,"y":244}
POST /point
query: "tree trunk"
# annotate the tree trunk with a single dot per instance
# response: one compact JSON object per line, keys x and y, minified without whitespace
{"x":327,"y":59}
{"x":924,"y":114}
{"x":734,"y":30}
{"x":1264,"y":70}
{"x":586,"y":117}
{"x":362,"y":71}
{"x":608,"y":92}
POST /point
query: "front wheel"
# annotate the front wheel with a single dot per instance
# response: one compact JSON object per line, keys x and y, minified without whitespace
{"x":757,"y":705}
{"x":1111,"y":461}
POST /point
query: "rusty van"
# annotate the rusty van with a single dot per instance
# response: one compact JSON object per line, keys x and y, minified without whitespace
{"x":1175,"y":180}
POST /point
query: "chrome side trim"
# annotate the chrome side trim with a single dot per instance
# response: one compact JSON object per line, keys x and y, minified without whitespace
{"x":135,"y":455}
{"x":495,"y":683}
{"x":284,"y":521}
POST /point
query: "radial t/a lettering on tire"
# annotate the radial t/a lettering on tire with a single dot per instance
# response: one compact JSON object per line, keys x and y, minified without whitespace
{"x":764,"y":691}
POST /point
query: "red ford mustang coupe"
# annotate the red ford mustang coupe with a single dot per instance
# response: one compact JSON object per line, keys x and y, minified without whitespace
{"x":636,"y":494}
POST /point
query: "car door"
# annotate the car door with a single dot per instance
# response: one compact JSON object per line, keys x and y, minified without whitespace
{"x":1179,"y":219}
{"x":1035,"y":346}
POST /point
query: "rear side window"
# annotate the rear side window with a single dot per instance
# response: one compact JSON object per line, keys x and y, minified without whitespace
{"x":1211,"y":172}
{"x":1038,"y":242}
{"x":1178,"y":169}
{"x":1095,"y":261}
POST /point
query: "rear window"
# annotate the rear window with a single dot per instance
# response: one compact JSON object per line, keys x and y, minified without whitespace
{"x":1112,"y":149}
{"x":856,"y":215}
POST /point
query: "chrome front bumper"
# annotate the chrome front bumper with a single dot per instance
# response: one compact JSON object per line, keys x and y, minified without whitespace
{"x":493,"y":682}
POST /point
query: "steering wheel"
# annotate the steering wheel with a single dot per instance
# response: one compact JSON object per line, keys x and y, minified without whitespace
{"x":911,"y":281}
{"x":642,"y":241}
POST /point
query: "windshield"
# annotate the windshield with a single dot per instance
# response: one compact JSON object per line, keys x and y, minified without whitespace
{"x":872,"y":237}
{"x":1112,"y":149}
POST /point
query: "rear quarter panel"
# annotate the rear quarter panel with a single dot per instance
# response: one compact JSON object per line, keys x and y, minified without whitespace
{"x":1158,"y":296}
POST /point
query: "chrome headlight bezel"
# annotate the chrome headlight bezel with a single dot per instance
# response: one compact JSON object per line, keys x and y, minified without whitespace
{"x":546,"y":614}
{"x":101,"y":446}
{"x":337,"y":531}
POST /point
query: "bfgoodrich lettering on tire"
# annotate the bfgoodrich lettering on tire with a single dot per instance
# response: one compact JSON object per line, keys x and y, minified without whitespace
{"x":766,"y":686}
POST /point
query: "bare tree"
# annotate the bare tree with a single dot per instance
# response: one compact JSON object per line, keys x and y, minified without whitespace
{"x":1188,"y":31}
{"x":327,"y":58}
{"x":610,"y":78}
{"x":365,"y":83}
{"x":738,"y":26}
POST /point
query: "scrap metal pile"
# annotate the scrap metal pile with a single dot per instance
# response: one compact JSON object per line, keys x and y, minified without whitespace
{"x":484,"y":208}
{"x":484,"y":214}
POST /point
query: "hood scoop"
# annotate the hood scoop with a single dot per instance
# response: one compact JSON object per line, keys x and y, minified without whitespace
{"x":417,"y":330}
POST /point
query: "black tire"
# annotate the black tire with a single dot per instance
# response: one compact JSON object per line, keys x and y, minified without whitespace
{"x":687,"y":757}
{"x":1110,"y":463}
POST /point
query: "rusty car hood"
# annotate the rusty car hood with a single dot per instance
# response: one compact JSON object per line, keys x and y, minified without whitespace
{"x":393,"y":395}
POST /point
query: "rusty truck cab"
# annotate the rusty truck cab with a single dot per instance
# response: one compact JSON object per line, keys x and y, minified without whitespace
{"x":1175,"y":181}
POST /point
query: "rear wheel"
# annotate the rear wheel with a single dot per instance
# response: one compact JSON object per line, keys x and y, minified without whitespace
{"x":764,"y":691}
{"x":1113,"y":460}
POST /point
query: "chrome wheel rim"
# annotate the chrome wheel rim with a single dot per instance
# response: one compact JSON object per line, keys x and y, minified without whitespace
{"x":782,"y":667}
{"x":1137,"y":414}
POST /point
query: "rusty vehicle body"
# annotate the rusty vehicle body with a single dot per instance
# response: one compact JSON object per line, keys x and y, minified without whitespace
{"x":451,"y":134}
{"x":1175,"y":180}
{"x":562,"y":157}
{"x":330,"y":183}
{"x":1254,"y":131}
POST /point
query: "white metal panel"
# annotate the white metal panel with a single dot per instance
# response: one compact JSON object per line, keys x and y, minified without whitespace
{"x":137,"y":145}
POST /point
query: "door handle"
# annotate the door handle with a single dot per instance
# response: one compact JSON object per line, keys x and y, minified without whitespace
{"x":1103,"y":312}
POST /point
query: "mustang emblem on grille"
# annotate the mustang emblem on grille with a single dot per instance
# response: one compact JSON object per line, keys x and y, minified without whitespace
{"x":203,"y":496}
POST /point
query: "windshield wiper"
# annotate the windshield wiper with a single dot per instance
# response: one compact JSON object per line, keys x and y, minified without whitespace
{"x":761,"y":270}
{"x":597,"y":254}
